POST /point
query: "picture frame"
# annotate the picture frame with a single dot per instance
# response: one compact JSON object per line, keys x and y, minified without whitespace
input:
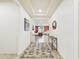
{"x":54,"y":25}
{"x":26,"y":25}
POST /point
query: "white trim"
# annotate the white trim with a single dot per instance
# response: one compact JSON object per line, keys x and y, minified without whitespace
{"x":75,"y":29}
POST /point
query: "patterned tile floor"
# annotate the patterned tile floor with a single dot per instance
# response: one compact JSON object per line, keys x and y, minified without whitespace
{"x":55,"y":54}
{"x":35,"y":52}
{"x":39,"y":51}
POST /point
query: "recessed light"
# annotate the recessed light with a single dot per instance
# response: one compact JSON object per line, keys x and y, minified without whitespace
{"x":40,"y":10}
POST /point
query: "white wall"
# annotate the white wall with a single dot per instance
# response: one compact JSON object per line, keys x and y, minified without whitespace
{"x":9,"y":15}
{"x":24,"y":36}
{"x":64,"y":16}
{"x":78,"y":29}
{"x":13,"y":38}
{"x":77,"y":15}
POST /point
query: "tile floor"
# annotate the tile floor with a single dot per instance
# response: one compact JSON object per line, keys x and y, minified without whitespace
{"x":13,"y":56}
{"x":40,"y":51}
{"x":55,"y":54}
{"x":34,"y":51}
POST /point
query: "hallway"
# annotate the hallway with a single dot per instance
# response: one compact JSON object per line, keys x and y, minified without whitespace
{"x":38,"y":29}
{"x":40,"y":44}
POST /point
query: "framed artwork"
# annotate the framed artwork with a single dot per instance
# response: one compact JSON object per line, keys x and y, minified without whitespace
{"x":36,"y":29}
{"x":46,"y":28}
{"x":54,"y":25}
{"x":26,"y":25}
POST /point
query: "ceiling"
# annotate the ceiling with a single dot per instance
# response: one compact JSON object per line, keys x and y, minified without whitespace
{"x":40,"y":8}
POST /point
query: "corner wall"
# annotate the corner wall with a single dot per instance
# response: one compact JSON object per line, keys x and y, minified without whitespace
{"x":64,"y":16}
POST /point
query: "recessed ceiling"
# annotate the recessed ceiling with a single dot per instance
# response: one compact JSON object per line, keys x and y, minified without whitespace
{"x":40,"y":8}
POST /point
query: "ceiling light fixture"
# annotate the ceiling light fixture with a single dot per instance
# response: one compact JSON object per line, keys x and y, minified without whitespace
{"x":40,"y":10}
